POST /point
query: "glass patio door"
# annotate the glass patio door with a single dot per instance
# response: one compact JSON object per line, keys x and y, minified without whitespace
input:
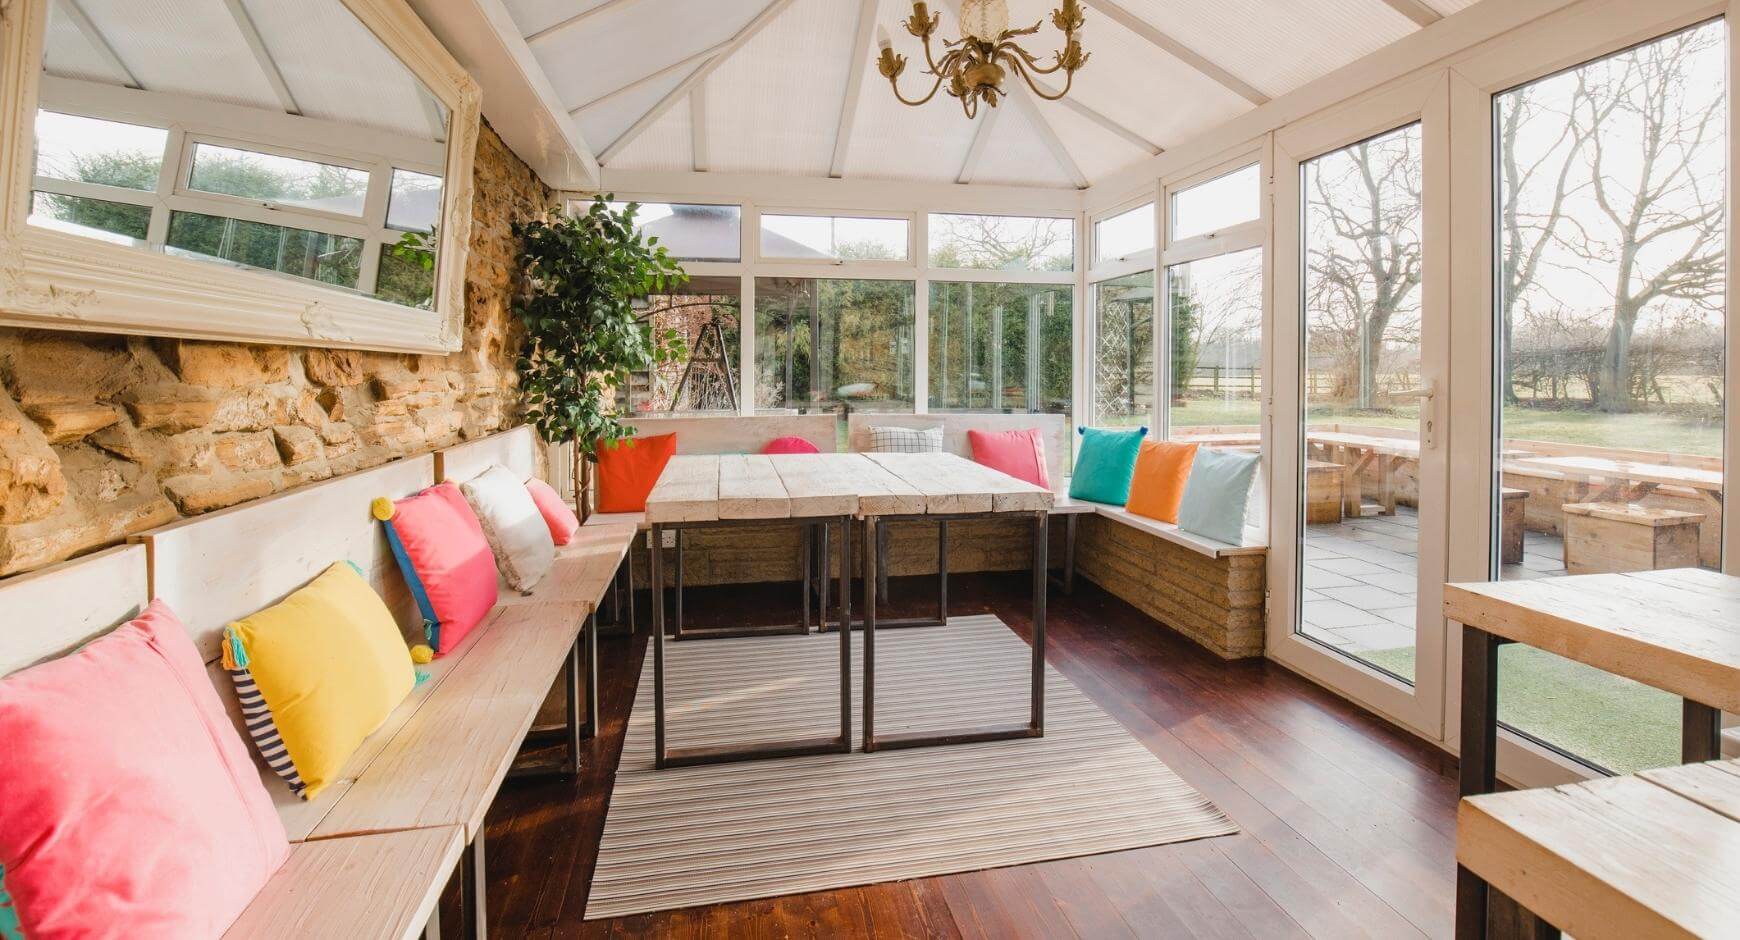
{"x":1360,"y":321}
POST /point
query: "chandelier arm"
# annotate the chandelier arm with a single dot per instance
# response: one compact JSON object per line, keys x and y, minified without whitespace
{"x":1069,"y":79}
{"x":1031,"y":62}
{"x":894,"y":84}
{"x":931,"y":62}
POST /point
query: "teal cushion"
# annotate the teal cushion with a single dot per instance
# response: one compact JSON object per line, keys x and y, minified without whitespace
{"x":1105,"y":463}
{"x":1217,"y":493}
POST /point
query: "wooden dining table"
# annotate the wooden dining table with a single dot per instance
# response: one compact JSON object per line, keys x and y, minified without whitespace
{"x":1677,"y":630}
{"x":838,"y":493}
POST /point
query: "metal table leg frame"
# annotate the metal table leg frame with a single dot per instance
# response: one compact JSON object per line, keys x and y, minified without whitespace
{"x":665,"y":756}
{"x":1034,"y":727}
{"x":942,"y":580}
{"x":580,"y":665}
{"x":1700,"y":732}
{"x":472,"y":902}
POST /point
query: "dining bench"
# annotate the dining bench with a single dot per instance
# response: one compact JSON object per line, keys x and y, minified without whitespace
{"x":418,"y":788}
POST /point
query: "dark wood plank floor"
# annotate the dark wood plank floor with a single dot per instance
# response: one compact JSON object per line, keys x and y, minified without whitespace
{"x":1348,"y":825}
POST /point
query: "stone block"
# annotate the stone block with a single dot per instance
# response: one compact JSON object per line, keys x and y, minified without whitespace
{"x":297,"y":444}
{"x":66,"y":422}
{"x":334,"y":367}
{"x":31,"y":484}
{"x":171,"y":410}
{"x":246,"y":450}
{"x":225,"y":365}
{"x":195,"y":494}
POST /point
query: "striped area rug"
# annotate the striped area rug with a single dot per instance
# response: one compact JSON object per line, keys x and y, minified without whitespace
{"x":732,"y":832}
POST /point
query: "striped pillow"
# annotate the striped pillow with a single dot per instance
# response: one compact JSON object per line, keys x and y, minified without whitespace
{"x":257,"y":718}
{"x":895,"y":440}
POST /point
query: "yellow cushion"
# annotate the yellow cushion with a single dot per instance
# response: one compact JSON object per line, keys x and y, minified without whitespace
{"x":330,"y":664}
{"x":1157,"y":487}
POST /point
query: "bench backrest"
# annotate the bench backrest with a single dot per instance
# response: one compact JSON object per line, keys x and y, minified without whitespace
{"x":51,"y":612}
{"x":519,"y":450}
{"x":733,"y":434}
{"x":1053,"y":428}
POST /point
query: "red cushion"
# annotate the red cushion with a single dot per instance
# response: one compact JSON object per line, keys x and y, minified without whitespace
{"x":627,"y":470}
{"x":131,"y":807}
{"x":790,"y":445}
{"x":1021,"y":454}
{"x":451,"y":569}
{"x":561,"y":520}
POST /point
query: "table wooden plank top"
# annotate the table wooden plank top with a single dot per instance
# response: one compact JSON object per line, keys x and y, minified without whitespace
{"x":1603,"y":468}
{"x":952,"y":484}
{"x":749,"y":488}
{"x":818,"y":484}
{"x":687,"y":490}
{"x":1620,"y":857}
{"x":1677,"y":630}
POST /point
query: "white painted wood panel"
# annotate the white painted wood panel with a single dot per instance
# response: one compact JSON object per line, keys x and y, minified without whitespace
{"x":516,"y":450}
{"x":734,"y":434}
{"x":53,"y":611}
{"x":1053,"y":429}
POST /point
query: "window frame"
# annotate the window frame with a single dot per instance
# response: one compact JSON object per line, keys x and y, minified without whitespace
{"x":910,"y":261}
{"x":1017,"y":276}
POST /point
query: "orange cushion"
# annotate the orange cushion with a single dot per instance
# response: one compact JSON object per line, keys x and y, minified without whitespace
{"x":1157,"y":487}
{"x":627,"y":470}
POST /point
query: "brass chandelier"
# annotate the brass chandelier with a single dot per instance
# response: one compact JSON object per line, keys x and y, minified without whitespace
{"x":975,"y":65}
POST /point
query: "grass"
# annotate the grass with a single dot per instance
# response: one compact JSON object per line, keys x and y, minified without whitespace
{"x":1637,"y":431}
{"x":1615,"y":723}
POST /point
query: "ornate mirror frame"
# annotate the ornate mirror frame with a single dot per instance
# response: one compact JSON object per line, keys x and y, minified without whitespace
{"x":57,"y":280}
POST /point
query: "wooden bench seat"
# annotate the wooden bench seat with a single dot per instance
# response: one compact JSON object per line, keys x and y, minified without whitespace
{"x":385,"y":885}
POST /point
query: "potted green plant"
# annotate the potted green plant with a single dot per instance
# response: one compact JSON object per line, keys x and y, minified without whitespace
{"x":585,"y":276}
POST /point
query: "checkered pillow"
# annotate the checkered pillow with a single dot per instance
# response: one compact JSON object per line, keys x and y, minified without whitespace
{"x":891,"y":440}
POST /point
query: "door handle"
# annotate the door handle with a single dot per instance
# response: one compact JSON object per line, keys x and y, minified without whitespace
{"x":1427,"y":394}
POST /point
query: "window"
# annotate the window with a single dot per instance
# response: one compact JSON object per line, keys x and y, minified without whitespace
{"x":1215,"y":308}
{"x":1220,"y":203}
{"x":1001,"y":243}
{"x":704,"y":312}
{"x":826,"y":344}
{"x":1123,"y":379}
{"x":832,"y":237}
{"x":414,"y":205}
{"x":1125,"y":234}
{"x":1611,"y":330}
{"x":691,"y":232}
{"x":407,"y":273}
{"x":1360,"y":307}
{"x":1000,"y":347}
{"x":106,"y":153}
{"x":288,"y":181}
{"x":98,"y":218}
{"x":316,"y":256}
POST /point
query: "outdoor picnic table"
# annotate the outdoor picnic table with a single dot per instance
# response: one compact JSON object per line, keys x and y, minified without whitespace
{"x":827,"y":493}
{"x":1677,"y":630}
{"x":1626,"y":481}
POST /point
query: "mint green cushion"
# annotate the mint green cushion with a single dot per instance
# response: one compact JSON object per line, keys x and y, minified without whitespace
{"x":1217,"y":493}
{"x":1104,"y":464}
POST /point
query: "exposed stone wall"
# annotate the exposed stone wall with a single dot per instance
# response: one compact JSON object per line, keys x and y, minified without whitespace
{"x":102,"y":436}
{"x":1218,"y":602}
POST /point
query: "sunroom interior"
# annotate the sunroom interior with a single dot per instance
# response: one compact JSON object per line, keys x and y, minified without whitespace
{"x":866,"y":468}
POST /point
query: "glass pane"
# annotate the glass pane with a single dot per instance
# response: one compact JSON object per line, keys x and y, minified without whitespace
{"x":330,"y":259}
{"x":1359,"y":436}
{"x":283,"y":180}
{"x":415,"y":203}
{"x":1219,"y":203}
{"x":1001,"y":243}
{"x":691,"y":232}
{"x":1124,"y":234}
{"x":1611,"y":331}
{"x":1124,"y":351}
{"x":407,"y":274}
{"x":109,"y":153}
{"x":704,"y":312}
{"x":1000,"y":347}
{"x":831,"y":236}
{"x":97,"y":218}
{"x":1216,"y":316}
{"x":828,"y":345}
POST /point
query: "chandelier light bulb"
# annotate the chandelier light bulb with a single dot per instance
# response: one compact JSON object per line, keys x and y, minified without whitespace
{"x":883,"y":40}
{"x":984,"y":20}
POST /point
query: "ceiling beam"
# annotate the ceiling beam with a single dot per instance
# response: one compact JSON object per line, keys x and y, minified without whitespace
{"x":263,"y":56}
{"x":1177,"y":50}
{"x":855,"y":66}
{"x":1415,"y":10}
{"x":694,"y":78}
{"x":687,"y":61}
{"x":532,"y":80}
{"x":701,"y":160}
{"x":1111,"y":124}
{"x":95,"y":37}
{"x":981,"y":137}
{"x":564,"y":25}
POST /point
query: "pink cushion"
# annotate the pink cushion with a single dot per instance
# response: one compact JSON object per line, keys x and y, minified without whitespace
{"x":446,"y":559}
{"x":790,"y":445}
{"x":561,"y":520}
{"x":131,"y":807}
{"x":1021,"y":454}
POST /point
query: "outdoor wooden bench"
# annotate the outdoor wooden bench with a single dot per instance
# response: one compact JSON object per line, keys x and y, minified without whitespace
{"x":315,"y":893}
{"x":1510,"y":540}
{"x":1324,"y":485}
{"x":1603,"y":537}
{"x":441,"y":756}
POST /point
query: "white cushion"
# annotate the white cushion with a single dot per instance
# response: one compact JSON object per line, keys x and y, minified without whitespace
{"x":885,"y":439}
{"x":516,"y":531}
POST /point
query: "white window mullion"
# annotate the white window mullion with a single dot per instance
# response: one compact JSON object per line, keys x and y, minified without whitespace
{"x":750,"y":233}
{"x":921,"y":318}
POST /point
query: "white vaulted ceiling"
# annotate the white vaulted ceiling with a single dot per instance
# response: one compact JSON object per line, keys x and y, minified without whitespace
{"x":790,"y":87}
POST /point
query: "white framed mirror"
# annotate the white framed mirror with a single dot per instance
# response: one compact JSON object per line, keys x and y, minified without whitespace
{"x":245,"y":170}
